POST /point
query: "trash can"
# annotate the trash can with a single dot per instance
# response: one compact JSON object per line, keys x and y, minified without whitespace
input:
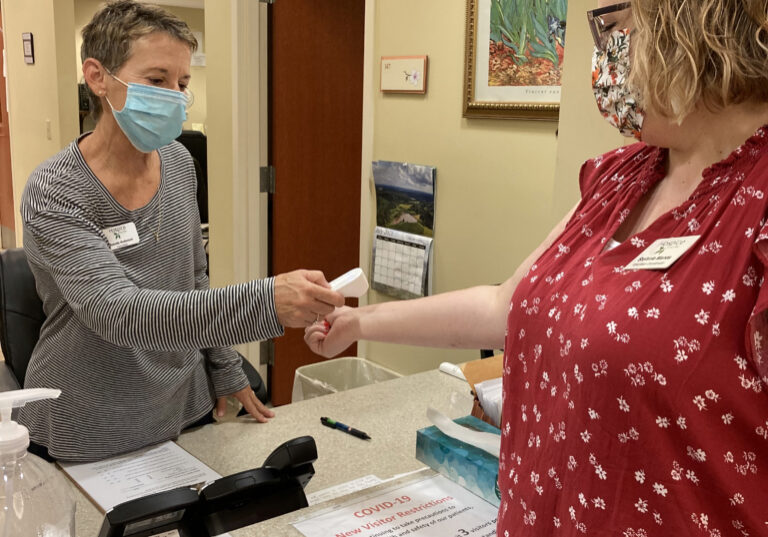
{"x":337,"y":375}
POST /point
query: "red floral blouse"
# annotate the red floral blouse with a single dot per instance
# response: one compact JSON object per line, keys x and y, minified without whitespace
{"x":636,"y":401}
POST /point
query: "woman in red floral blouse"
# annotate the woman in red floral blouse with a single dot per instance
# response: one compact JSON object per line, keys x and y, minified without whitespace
{"x":635,"y":368}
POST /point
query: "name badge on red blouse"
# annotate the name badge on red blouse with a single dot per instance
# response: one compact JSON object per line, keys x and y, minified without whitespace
{"x":121,"y":236}
{"x":662,"y":253}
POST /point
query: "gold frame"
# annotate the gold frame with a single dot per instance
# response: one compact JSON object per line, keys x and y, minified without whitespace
{"x":494,"y":110}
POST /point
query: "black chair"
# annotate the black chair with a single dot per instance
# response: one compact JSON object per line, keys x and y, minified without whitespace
{"x":21,"y":316}
{"x":197,"y":145}
{"x":254,"y":378}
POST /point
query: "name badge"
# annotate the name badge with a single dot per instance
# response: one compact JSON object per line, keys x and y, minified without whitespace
{"x":121,"y":236}
{"x":662,"y":253}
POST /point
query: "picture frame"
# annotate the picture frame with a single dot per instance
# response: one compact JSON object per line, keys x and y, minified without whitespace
{"x":513,"y":58}
{"x":403,"y":74}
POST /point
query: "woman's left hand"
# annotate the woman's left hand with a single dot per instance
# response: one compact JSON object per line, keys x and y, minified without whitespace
{"x":250,"y":402}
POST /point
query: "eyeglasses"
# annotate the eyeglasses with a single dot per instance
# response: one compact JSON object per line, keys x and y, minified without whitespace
{"x":604,"y":20}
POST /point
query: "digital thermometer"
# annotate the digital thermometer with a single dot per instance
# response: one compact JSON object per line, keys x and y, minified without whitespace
{"x":351,"y":284}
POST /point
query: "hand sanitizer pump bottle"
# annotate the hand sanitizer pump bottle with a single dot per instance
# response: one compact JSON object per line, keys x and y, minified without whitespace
{"x":35,"y":498}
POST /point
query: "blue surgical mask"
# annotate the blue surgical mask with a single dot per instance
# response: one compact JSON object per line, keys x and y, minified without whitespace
{"x":152,"y":116}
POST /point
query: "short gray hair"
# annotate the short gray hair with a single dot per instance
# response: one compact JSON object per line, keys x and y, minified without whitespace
{"x":113,"y":29}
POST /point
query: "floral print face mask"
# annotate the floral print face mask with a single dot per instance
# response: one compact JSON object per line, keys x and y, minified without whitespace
{"x":615,"y":100}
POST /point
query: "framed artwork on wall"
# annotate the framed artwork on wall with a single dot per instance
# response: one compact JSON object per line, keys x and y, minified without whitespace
{"x":403,"y":74}
{"x":513,"y":58}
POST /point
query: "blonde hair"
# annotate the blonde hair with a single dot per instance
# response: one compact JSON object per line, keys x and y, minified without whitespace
{"x":691,"y":52}
{"x":108,"y":37}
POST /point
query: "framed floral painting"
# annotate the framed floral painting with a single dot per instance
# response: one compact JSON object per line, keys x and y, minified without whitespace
{"x":513,"y":58}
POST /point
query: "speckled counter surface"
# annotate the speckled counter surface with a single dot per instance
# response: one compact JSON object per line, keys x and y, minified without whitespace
{"x":390,"y":412}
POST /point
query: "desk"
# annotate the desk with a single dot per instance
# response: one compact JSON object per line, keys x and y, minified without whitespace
{"x":390,"y":412}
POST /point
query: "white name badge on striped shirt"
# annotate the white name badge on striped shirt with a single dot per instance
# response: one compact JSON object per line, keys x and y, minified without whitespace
{"x":121,"y":236}
{"x":662,"y":253}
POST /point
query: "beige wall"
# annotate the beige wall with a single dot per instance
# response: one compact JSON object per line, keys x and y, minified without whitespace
{"x":43,"y":96}
{"x":583,"y":132}
{"x":494,"y":177}
{"x":220,"y":144}
{"x":195,"y":19}
{"x":501,"y":184}
{"x":43,"y":114}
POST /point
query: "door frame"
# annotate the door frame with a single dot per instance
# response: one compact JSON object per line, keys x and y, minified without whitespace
{"x":239,"y":223}
{"x":250,"y":130}
{"x":248,"y":257}
{"x":7,"y":235}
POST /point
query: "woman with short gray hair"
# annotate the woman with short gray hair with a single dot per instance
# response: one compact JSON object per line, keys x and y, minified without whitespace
{"x":135,"y":339}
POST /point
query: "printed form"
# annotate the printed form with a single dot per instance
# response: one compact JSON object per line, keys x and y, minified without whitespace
{"x":113,"y":481}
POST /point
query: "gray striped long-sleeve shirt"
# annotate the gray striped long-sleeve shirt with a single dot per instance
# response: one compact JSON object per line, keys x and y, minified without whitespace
{"x":134,"y":338}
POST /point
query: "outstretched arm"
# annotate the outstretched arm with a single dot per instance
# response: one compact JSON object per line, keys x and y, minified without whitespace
{"x":73,"y":251}
{"x":473,"y":318}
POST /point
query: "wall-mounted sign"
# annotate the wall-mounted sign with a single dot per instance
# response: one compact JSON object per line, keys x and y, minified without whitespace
{"x":29,"y":47}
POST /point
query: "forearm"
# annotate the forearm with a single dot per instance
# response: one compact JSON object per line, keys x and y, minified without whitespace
{"x":468,"y":318}
{"x":167,"y":320}
{"x":473,"y":318}
{"x":225,"y":368}
{"x":224,"y":364}
{"x":72,"y":252}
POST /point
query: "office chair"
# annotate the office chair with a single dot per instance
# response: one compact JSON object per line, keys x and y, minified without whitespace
{"x":21,"y":316}
{"x":83,"y":104}
{"x":197,"y":145}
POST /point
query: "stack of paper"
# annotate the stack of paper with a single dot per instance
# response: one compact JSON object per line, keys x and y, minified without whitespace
{"x":113,"y":481}
{"x":489,"y":394}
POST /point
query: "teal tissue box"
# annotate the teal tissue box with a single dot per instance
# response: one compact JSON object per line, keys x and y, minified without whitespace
{"x":470,"y":467}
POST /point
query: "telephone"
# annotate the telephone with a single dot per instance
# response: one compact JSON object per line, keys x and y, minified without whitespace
{"x":222,"y":505}
{"x":251,"y":496}
{"x":161,"y":513}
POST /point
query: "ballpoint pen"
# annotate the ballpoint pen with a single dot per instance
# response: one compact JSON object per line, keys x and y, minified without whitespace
{"x":328,"y":422}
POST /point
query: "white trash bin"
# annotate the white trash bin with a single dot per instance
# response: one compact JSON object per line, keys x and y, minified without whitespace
{"x":337,"y":375}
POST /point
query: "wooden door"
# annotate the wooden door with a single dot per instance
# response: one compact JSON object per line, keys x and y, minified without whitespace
{"x":7,"y":225}
{"x":315,"y":144}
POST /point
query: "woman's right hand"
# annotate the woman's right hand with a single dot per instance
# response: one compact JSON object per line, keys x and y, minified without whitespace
{"x":328,"y":337}
{"x":304,"y":296}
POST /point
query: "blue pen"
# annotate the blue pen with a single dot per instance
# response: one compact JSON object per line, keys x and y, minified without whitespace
{"x":328,"y":422}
